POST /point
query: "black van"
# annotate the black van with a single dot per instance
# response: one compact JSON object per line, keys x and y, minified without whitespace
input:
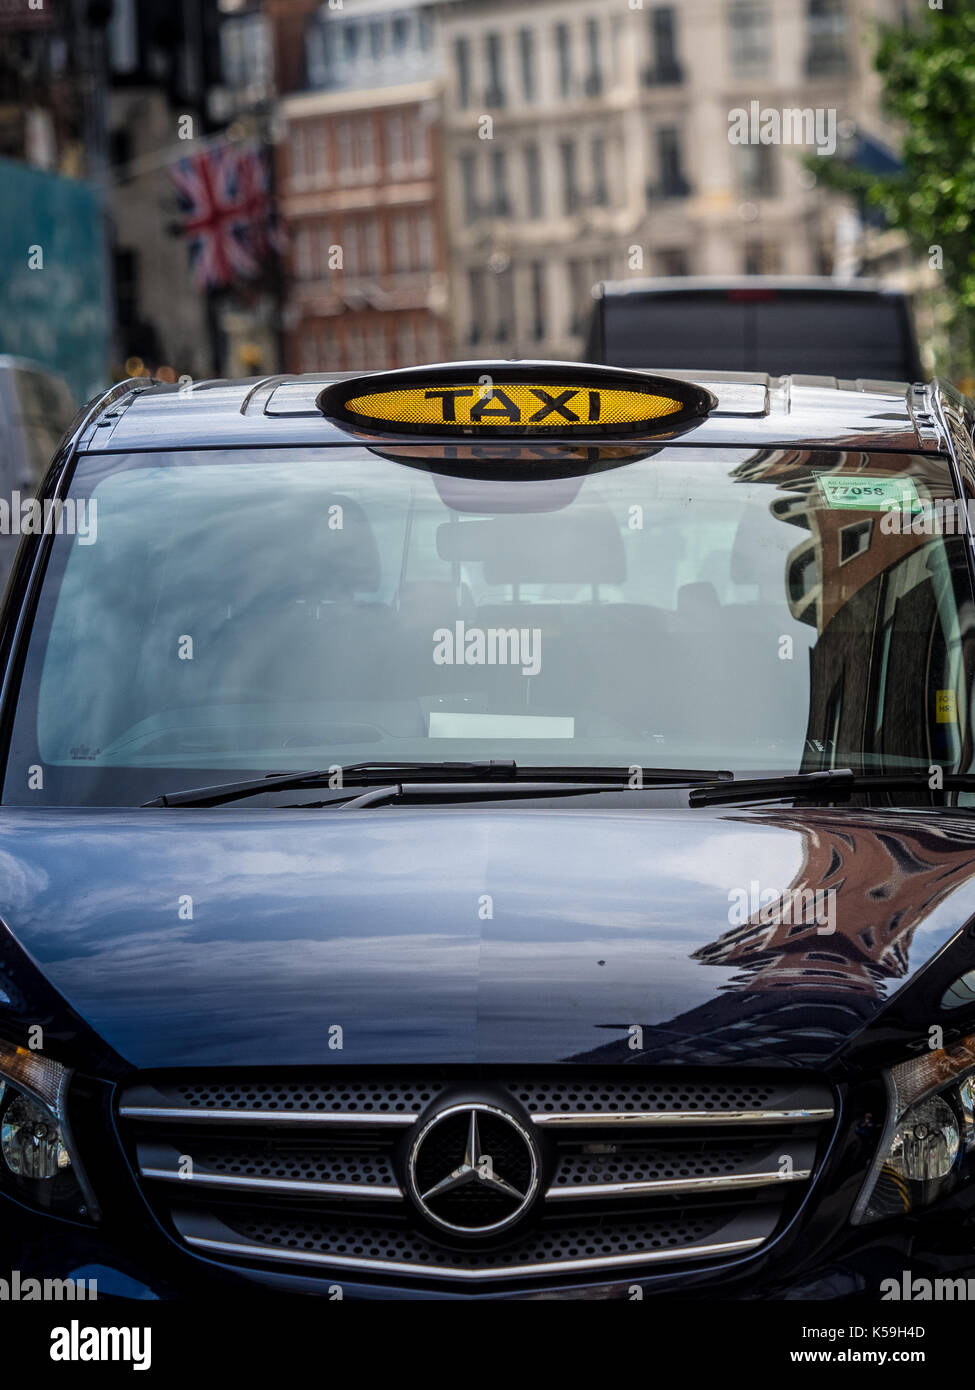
{"x":813,"y":326}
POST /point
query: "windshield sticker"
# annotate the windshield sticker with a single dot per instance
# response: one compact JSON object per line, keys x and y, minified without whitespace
{"x":869,"y":494}
{"x":946,"y":707}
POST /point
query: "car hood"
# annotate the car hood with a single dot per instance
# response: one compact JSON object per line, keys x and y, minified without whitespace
{"x":493,"y":933}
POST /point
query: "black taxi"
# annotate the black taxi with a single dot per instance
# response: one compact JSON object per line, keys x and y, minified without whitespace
{"x":496,"y":829}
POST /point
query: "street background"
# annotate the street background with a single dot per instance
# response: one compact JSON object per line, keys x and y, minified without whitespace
{"x":197,"y":188}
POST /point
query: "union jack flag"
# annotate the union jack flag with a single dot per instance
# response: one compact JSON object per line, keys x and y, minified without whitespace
{"x":227,"y":212}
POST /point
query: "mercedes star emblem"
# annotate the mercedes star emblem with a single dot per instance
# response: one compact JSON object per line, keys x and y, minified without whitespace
{"x":473,"y":1169}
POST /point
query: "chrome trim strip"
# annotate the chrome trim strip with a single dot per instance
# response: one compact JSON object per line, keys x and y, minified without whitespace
{"x":322,"y":1118}
{"x":295,"y":1186}
{"x":637,"y":1119}
{"x":665,"y":1186}
{"x":645,"y":1119}
{"x":608,"y":1262}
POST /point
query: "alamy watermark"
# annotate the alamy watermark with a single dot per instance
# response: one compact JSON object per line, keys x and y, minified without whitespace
{"x":939,"y":516}
{"x":793,"y":125}
{"x":18,"y":1289}
{"x":795,"y":907}
{"x":29,"y":516}
{"x":907,"y":1289}
{"x":492,"y":646}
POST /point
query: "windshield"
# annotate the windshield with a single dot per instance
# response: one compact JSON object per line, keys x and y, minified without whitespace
{"x":225,"y":614}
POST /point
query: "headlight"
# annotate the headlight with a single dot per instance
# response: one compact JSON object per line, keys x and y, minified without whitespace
{"x":31,"y":1142}
{"x":37,"y":1162}
{"x":926,"y":1146}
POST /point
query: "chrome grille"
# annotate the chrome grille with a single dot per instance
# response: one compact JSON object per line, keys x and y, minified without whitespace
{"x":637,"y":1170}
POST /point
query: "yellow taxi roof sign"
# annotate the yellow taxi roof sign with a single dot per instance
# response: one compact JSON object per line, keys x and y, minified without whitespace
{"x":514,"y":400}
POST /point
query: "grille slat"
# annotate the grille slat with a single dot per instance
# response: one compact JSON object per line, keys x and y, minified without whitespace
{"x":588,"y":1247}
{"x":634,"y":1169}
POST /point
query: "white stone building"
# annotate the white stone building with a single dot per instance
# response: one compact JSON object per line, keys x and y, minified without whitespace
{"x":589,"y":139}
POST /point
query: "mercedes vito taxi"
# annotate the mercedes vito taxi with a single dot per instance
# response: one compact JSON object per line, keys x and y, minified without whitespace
{"x":497,"y":829}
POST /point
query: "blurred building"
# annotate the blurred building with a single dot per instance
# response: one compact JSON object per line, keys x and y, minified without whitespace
{"x":163,"y":60}
{"x":588,"y":139}
{"x":52,"y":103}
{"x":359,"y":183}
{"x":55,"y":296}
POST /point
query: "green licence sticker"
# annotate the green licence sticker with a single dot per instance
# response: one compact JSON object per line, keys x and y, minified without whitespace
{"x":869,"y":494}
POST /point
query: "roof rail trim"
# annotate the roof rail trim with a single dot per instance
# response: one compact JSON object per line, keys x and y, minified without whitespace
{"x":275,"y":379}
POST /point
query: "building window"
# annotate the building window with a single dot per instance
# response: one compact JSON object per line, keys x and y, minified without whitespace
{"x":462,"y":59}
{"x":503,"y":295}
{"x":594,"y":63}
{"x":319,"y":149}
{"x":570,"y":188}
{"x":671,"y":182}
{"x":672,"y":262}
{"x":363,"y":246}
{"x":533,"y":181}
{"x":299,"y":155}
{"x":324,"y":243}
{"x":758,"y":170}
{"x":402,"y":242}
{"x":468,"y":184}
{"x":564,"y":52}
{"x":331,"y":351}
{"x":424,"y":241}
{"x":319,"y":54}
{"x":580,"y":295}
{"x":418,"y":135}
{"x":494,"y":93}
{"x":350,"y":42}
{"x":600,"y":186}
{"x":355,"y":358}
{"x":377,"y":39}
{"x":855,"y":540}
{"x":343,"y":141}
{"x":477,"y":304}
{"x":376,"y":345}
{"x":827,"y":51}
{"x":760,"y":259}
{"x":406,"y":342}
{"x":304,"y":253}
{"x":526,"y":55}
{"x":307,"y":351}
{"x":750,"y":37}
{"x":396,"y":142}
{"x":400,"y":33}
{"x":367,"y":148}
{"x":433,"y":349}
{"x":351,"y":249}
{"x":500,"y":203}
{"x":663,"y":67}
{"x":537,"y":277}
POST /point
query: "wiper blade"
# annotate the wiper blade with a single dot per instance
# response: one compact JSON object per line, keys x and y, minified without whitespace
{"x":353,"y":774}
{"x":369,"y":773}
{"x":442,"y":793}
{"x":833,"y":782}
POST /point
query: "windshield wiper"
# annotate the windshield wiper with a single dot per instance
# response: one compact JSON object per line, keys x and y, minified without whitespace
{"x":383,"y":773}
{"x":833,"y":782}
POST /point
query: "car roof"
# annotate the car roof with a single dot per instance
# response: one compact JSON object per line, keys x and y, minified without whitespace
{"x":723,"y":284}
{"x":752,"y":409}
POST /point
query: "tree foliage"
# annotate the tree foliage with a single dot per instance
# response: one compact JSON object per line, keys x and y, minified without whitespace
{"x":928,"y":69}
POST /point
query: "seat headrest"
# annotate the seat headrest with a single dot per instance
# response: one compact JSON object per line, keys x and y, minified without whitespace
{"x":336,"y":562}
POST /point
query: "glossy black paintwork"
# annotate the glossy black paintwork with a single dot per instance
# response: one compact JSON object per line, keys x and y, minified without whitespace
{"x":536,"y":937}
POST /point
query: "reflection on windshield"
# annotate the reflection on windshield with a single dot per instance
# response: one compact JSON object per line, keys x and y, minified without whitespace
{"x":245,"y":612}
{"x":879,"y":592}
